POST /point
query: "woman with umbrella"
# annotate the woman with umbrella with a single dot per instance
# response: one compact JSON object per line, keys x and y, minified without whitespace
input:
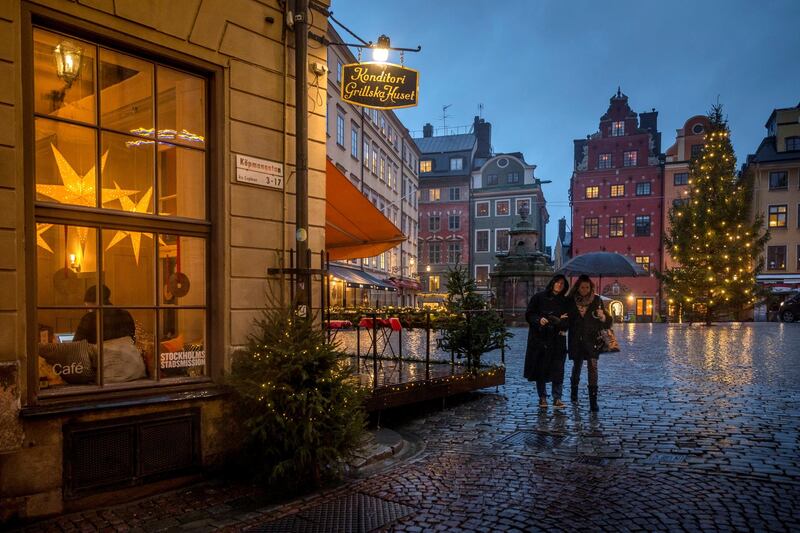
{"x":546,"y":352}
{"x":587,"y":317}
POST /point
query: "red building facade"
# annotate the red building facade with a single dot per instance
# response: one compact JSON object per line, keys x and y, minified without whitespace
{"x":616,"y":194}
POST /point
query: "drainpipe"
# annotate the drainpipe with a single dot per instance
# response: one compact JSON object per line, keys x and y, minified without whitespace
{"x":301,"y":153}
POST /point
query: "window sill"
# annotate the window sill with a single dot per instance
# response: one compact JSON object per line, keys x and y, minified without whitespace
{"x":95,"y":399}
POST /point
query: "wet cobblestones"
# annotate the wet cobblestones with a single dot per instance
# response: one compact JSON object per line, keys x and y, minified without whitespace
{"x":699,"y":429}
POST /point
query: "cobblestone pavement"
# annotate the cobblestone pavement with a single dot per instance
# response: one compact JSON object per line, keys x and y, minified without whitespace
{"x":698,"y":430}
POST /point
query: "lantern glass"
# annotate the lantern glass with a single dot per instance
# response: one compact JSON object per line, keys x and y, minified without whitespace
{"x":380,"y":51}
{"x":68,"y":61}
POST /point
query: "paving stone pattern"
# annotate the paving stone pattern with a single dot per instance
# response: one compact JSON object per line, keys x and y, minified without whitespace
{"x":698,"y":430}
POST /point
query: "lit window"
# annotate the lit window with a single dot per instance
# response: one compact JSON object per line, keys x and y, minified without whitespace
{"x":120,"y":289}
{"x":434,"y":195}
{"x":644,"y":307}
{"x":502,"y":208}
{"x":616,"y":227}
{"x":604,"y":161}
{"x":433,"y":283}
{"x":629,"y":158}
{"x":591,"y":227}
{"x":643,"y":261}
{"x":426,"y":165}
{"x":777,"y":216}
{"x":618,"y":128}
{"x":592,"y":192}
{"x":482,"y":209}
{"x":617,"y":191}
{"x":776,"y":257}
{"x":482,"y":275}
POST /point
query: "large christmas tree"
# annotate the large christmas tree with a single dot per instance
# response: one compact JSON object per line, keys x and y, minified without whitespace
{"x":713,"y":236}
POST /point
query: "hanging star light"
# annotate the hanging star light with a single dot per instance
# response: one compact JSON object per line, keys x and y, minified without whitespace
{"x":78,"y":190}
{"x":40,"y":229}
{"x":142,"y":206}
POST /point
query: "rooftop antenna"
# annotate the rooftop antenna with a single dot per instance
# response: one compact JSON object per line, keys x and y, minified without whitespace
{"x":444,"y":118}
{"x":480,"y":110}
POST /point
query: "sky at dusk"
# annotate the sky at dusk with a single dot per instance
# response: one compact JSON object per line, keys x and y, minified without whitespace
{"x":545,"y":70}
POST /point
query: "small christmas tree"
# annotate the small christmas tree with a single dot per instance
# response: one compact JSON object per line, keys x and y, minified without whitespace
{"x":301,"y":411}
{"x":475,"y":329}
{"x":713,"y":236}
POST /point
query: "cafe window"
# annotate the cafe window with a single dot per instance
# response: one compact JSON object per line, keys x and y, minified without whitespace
{"x":776,"y":257}
{"x":681,"y":178}
{"x":617,"y":191}
{"x":644,"y":307}
{"x":618,"y":128}
{"x":591,"y":227}
{"x":425,"y":165}
{"x":592,"y":192}
{"x":616,"y":227}
{"x":481,"y":209}
{"x":629,"y":159}
{"x":604,"y":161}
{"x":121,"y":281}
{"x":502,"y":208}
{"x":777,"y":216}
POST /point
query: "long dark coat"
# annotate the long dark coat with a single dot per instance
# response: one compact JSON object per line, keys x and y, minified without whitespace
{"x":546,"y":352}
{"x":583,"y":330}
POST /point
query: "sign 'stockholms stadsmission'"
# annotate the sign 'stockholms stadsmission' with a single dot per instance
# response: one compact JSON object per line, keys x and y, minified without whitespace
{"x":379,"y":85}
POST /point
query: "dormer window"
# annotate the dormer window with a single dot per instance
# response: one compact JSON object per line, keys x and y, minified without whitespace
{"x":792,"y":144}
{"x":618,"y":128}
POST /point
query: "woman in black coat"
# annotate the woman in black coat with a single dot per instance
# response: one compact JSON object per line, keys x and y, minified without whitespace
{"x":587,"y":317}
{"x":544,"y":358}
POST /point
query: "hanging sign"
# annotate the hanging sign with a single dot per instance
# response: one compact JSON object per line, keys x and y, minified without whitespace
{"x":259,"y":171}
{"x":379,"y":85}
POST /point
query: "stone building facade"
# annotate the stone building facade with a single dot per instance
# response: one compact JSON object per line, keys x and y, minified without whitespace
{"x":616,"y":194}
{"x":123,"y":125}
{"x":776,"y":197}
{"x":375,"y":150}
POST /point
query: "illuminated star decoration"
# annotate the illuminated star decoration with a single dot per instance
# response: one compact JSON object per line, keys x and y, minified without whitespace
{"x":40,"y":229}
{"x":142,"y":206}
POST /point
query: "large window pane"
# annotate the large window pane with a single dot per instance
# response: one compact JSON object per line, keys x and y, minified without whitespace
{"x":126,"y":93}
{"x":128,"y":173}
{"x":63,"y":77}
{"x":182,"y":267}
{"x":182,"y":345}
{"x":128,"y":345}
{"x":66,"y":264}
{"x":66,"y":157}
{"x":62,"y":359}
{"x":181,"y":107}
{"x":181,"y":182}
{"x":129,"y":267}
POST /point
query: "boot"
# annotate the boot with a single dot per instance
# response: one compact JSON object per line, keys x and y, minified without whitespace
{"x":593,"y":400}
{"x":573,"y":395}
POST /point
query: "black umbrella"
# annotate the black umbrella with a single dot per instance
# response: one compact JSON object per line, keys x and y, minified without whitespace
{"x":608,"y":264}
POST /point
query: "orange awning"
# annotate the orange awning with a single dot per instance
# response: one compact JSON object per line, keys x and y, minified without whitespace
{"x":354,"y":228}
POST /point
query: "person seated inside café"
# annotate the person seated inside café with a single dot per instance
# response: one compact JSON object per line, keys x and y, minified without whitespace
{"x":116,"y":322}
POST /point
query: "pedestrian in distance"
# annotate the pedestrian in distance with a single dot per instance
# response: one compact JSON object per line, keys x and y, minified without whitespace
{"x":587,"y":317}
{"x":547,"y":342}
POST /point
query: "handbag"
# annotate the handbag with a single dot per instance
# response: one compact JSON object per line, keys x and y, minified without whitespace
{"x":607,"y":341}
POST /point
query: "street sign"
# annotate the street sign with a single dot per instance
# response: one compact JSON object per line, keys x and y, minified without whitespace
{"x":379,"y":85}
{"x":257,"y":171}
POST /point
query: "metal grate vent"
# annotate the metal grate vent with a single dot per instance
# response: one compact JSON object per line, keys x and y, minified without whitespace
{"x":128,"y":451}
{"x":534,"y":439}
{"x":353,"y":513}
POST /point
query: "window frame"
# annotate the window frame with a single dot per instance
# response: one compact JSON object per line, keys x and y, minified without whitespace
{"x":454,"y":227}
{"x":643,"y":261}
{"x":488,"y":272}
{"x":630,"y":158}
{"x":644,"y":184}
{"x":517,"y":201}
{"x":595,"y":224}
{"x":102,"y":219}
{"x":637,"y":227}
{"x":618,"y":128}
{"x":506,"y":201}
{"x":496,"y":240}
{"x":591,"y":192}
{"x":777,"y":212}
{"x":427,"y":164}
{"x":488,"y":208}
{"x":491,"y":179}
{"x":451,"y":257}
{"x":605,"y":163}
{"x":792,"y":143}
{"x":615,"y":186}
{"x":340,"y":129}
{"x":783,"y":187}
{"x":456,"y":163}
{"x":454,"y":194}
{"x":785,"y":257}
{"x":355,"y":141}
{"x":488,"y":233}
{"x":434,"y":258}
{"x":616,"y":227}
{"x":512,"y":178}
{"x":434,"y":223}
{"x":676,"y":182}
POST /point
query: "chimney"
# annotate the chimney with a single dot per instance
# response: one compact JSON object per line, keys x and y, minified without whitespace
{"x":562,"y":229}
{"x":427,"y":130}
{"x":483,"y":134}
{"x":649,"y":121}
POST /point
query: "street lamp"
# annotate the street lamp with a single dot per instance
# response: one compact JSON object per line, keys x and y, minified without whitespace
{"x":380,"y":51}
{"x":68,"y":61}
